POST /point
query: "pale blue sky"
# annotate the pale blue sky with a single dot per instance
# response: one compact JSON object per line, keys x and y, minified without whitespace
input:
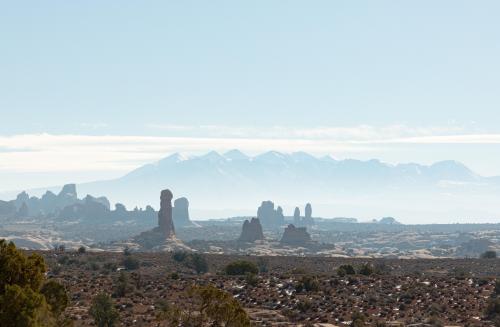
{"x":249,"y":69}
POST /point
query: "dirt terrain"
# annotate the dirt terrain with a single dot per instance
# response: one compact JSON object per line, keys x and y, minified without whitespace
{"x":399,"y":292}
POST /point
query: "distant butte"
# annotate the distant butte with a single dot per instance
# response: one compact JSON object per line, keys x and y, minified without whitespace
{"x":295,"y":236}
{"x":251,"y":231}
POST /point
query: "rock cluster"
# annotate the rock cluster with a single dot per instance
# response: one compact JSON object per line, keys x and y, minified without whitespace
{"x":51,"y":204}
{"x":165,"y":222}
{"x":307,"y":220}
{"x":295,"y":236}
{"x":270,"y":217}
{"x":251,"y":231}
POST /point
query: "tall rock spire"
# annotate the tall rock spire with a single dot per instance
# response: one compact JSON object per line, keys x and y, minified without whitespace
{"x":165,"y":222}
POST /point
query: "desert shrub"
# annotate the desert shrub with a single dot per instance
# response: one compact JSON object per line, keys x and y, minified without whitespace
{"x":56,"y":270}
{"x":174,"y":316}
{"x":241,"y":267}
{"x":308,"y":284}
{"x":497,"y":288}
{"x":21,"y":302}
{"x":435,"y":321}
{"x":493,"y":308}
{"x":214,"y":307}
{"x":16,"y":268}
{"x":299,"y":271}
{"x":93,"y":266}
{"x":24,"y":307}
{"x":290,"y":314}
{"x":489,"y":255}
{"x":82,"y":249}
{"x":60,"y":248}
{"x":110,"y":266}
{"x":263,"y":265}
{"x":103,"y":311}
{"x":461,"y":273}
{"x":358,"y":319}
{"x":130,"y":263}
{"x":147,"y":264}
{"x":63,"y":260}
{"x":127,"y":251}
{"x":56,"y":296}
{"x":122,"y":285}
{"x":220,"y":307}
{"x":482,"y":282}
{"x":194,"y":261}
{"x":304,"y":305}
{"x":345,"y":270}
{"x":198,"y":263}
{"x":366,"y":269}
{"x":136,"y":279}
{"x":380,"y":268}
{"x":180,"y":256}
{"x":251,"y":279}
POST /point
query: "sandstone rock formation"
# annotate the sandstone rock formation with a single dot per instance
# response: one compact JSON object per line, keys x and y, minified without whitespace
{"x":50,"y":203}
{"x":68,"y":191}
{"x":162,"y":238}
{"x":165,"y":222}
{"x":7,"y":208}
{"x":297,"y":220}
{"x":180,"y":213}
{"x":295,"y":236}
{"x":308,"y":220}
{"x":23,"y":211}
{"x":268,"y":216}
{"x":88,"y":210}
{"x":251,"y":231}
{"x":280,"y":217}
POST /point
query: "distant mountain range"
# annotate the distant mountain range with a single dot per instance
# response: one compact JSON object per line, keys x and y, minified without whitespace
{"x":231,"y":184}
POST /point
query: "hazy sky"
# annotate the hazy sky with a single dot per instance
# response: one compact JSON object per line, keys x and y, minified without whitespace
{"x":92,"y":89}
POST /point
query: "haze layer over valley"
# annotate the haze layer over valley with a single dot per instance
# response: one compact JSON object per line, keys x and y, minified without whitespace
{"x":232,"y":184}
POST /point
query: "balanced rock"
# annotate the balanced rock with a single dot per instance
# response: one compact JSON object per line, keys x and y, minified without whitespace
{"x":251,"y":231}
{"x":165,"y":222}
{"x":295,"y":236}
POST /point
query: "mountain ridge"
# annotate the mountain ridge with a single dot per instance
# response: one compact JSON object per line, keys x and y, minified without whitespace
{"x":233,"y":183}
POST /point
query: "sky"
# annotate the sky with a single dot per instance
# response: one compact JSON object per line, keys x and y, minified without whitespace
{"x":92,"y":89}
